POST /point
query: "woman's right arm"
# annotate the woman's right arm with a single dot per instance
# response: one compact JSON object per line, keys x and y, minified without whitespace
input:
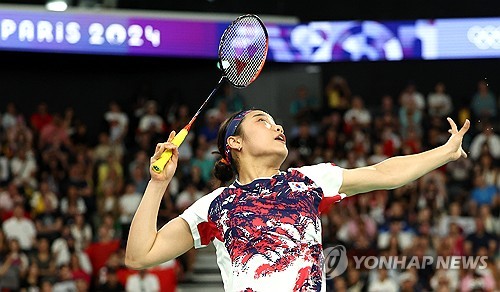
{"x":146,"y":246}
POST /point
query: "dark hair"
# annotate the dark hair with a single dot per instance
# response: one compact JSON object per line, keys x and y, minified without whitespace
{"x":223,"y":171}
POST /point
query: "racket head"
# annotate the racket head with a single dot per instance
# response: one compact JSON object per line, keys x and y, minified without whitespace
{"x":243,"y":50}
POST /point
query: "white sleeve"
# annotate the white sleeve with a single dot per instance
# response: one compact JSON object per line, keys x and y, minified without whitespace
{"x":326,"y":175}
{"x":197,"y":218}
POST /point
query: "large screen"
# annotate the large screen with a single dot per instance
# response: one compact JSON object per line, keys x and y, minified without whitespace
{"x":326,"y":41}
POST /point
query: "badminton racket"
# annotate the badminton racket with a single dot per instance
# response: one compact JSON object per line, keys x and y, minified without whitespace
{"x":242,"y":54}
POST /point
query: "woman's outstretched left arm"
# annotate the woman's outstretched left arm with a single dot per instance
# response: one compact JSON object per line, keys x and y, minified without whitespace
{"x":400,"y":170}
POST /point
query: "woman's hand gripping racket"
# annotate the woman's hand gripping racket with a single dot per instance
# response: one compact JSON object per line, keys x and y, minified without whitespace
{"x":242,"y":54}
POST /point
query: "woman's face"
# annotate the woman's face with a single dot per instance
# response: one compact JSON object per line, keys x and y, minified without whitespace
{"x":261,"y":136}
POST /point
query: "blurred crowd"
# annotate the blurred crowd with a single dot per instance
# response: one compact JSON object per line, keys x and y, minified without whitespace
{"x":66,"y":202}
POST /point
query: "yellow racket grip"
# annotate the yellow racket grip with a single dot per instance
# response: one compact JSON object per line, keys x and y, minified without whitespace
{"x":159,"y":164}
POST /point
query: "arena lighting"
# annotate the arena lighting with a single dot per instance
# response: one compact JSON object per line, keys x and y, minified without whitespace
{"x":57,"y":5}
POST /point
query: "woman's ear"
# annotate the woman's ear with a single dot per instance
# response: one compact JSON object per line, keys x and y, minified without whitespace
{"x":234,"y":142}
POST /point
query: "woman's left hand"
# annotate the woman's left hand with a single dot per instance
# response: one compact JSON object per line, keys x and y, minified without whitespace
{"x":455,"y":141}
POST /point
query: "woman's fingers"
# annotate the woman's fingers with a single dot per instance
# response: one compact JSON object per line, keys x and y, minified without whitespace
{"x":453,"y":125}
{"x":454,"y":129}
{"x":171,"y":136}
{"x":161,"y":147}
{"x":464,"y":155}
{"x":462,"y":132}
{"x":465,"y":127}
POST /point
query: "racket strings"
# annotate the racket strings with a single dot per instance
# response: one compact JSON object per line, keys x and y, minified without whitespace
{"x":244,"y":47}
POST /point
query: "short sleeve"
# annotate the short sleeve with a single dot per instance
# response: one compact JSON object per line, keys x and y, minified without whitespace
{"x":202,"y":230}
{"x":329,"y":178}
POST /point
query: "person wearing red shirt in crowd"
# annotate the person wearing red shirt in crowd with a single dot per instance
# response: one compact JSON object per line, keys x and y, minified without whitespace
{"x":41,"y":117}
{"x":54,"y":134}
{"x":100,"y":251}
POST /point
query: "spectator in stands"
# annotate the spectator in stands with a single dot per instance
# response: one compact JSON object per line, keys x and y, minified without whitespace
{"x":383,"y":283}
{"x":444,"y":280}
{"x":355,"y":280}
{"x":21,"y":228}
{"x":78,"y":177}
{"x":303,"y":105}
{"x":385,"y":115}
{"x":31,"y":282}
{"x":65,"y":280}
{"x":111,"y":173}
{"x":411,"y":97}
{"x":69,"y":120}
{"x":80,"y":137}
{"x":208,"y":130}
{"x":43,"y":200}
{"x":107,"y":203}
{"x":55,"y":135}
{"x":79,"y":270}
{"x":41,"y":117}
{"x":433,"y":194}
{"x":151,"y":122}
{"x":391,"y":142}
{"x":81,"y":232}
{"x":483,"y":103}
{"x":491,"y":222}
{"x":235,"y":101}
{"x":4,"y":170}
{"x":111,"y":283}
{"x":113,"y":265}
{"x":487,"y":168}
{"x":357,"y":225}
{"x":140,"y":160}
{"x":103,"y":149}
{"x":23,"y":168}
{"x":12,"y":118}
{"x":483,"y":194}
{"x":304,"y":142}
{"x":357,"y":114}
{"x":458,"y":177}
{"x":44,"y":259}
{"x":185,"y":198}
{"x":486,"y":142}
{"x":9,"y":197}
{"x":480,"y":238}
{"x":194,"y":177}
{"x":139,"y":178}
{"x":72,"y":203}
{"x":439,"y":104}
{"x":59,"y":247}
{"x":13,"y":266}
{"x":477,"y":280}
{"x":410,"y":117}
{"x":18,"y":137}
{"x":100,"y":250}
{"x":117,"y":122}
{"x":204,"y":163}
{"x":337,"y":94}
{"x":49,"y":224}
{"x":143,"y":281}
{"x":128,"y":204}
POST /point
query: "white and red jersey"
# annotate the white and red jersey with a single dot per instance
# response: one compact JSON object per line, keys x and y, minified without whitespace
{"x":267,"y":233}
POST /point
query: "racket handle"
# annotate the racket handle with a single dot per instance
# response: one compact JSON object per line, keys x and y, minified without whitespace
{"x":159,"y":164}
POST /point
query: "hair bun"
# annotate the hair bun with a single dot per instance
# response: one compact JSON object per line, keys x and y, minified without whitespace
{"x":223,"y":171}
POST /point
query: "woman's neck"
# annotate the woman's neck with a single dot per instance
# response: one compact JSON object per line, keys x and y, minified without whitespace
{"x":251,"y":172}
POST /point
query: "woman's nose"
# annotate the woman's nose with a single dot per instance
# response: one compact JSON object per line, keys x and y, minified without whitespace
{"x":280,"y":129}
